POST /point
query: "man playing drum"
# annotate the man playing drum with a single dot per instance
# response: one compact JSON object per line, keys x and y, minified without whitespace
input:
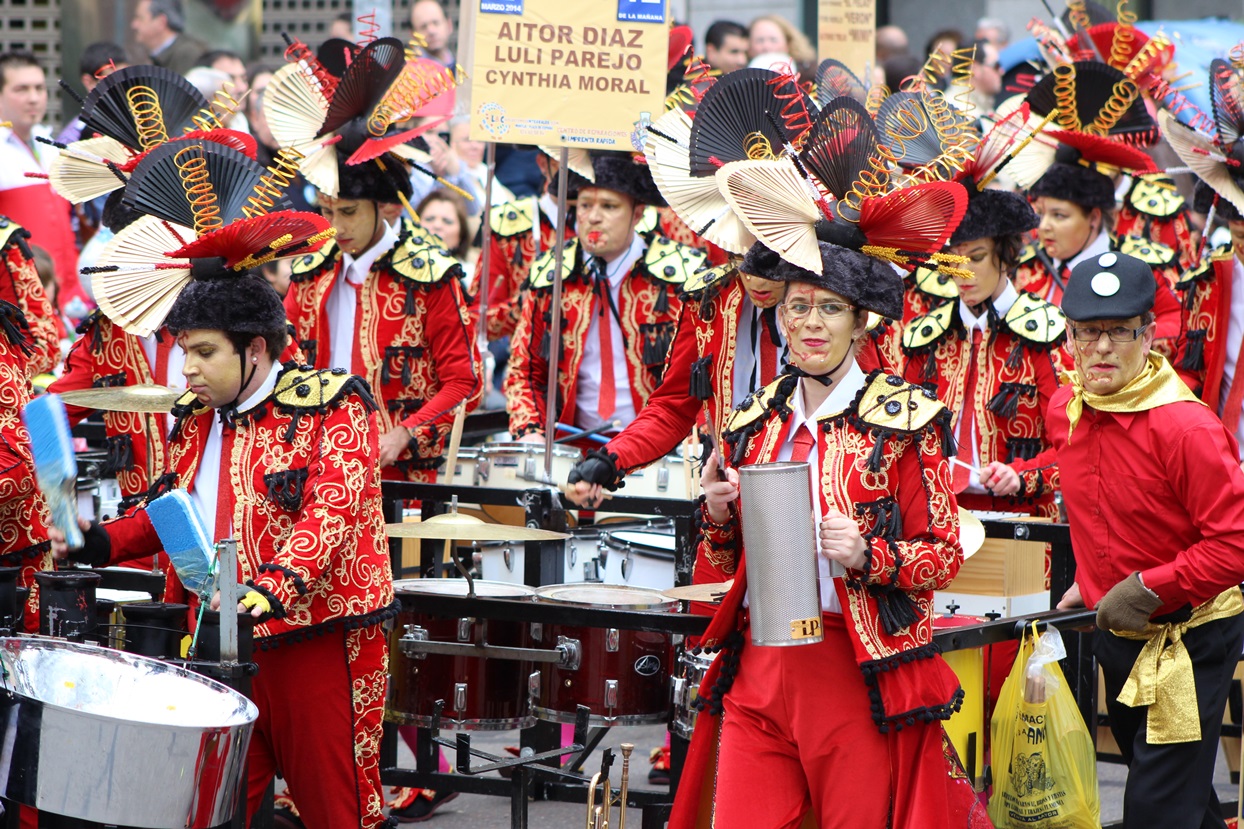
{"x":1155,"y":498}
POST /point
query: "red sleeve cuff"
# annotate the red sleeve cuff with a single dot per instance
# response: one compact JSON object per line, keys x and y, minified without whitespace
{"x":1163,"y":581}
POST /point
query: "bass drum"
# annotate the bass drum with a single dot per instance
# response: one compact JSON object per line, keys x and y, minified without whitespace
{"x":480,"y":694}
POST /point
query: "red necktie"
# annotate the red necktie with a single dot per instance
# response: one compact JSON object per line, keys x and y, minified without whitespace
{"x":356,"y":351}
{"x":607,"y":401}
{"x":768,"y":349}
{"x":803,"y":444}
{"x":1235,"y":394}
{"x":163,"y":346}
{"x":961,"y":476}
{"x":224,"y":488}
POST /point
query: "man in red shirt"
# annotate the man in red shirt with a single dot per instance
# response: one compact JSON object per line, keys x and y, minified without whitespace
{"x":1155,"y":498}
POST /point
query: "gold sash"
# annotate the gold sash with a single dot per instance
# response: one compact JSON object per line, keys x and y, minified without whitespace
{"x":1162,"y":676}
{"x":1156,"y":385}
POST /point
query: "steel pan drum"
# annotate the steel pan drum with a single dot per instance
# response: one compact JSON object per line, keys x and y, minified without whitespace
{"x":624,"y":674}
{"x":106,"y":736}
{"x":480,"y":694}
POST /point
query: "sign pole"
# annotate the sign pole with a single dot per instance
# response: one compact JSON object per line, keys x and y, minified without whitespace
{"x":485,"y":256}
{"x":555,"y":322}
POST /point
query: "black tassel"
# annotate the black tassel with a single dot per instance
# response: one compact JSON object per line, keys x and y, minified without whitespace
{"x":1015,"y":357}
{"x":1023,"y":449}
{"x":516,"y":258}
{"x":947,"y":431}
{"x":120,"y":455}
{"x":544,"y":344}
{"x":1006,"y":402}
{"x":662,"y":304}
{"x":874,"y":457}
{"x":1194,"y":352}
{"x":701,"y":378}
{"x":708,"y":311}
{"x":409,"y":308}
{"x":14,"y":324}
{"x":896,"y":609}
{"x":407,"y":369}
{"x":386,"y":376}
{"x":286,"y":488}
{"x":929,"y":374}
{"x":309,"y":350}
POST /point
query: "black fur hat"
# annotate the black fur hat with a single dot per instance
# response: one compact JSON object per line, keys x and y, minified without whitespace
{"x":219,"y":300}
{"x":116,"y":216}
{"x":1203,"y":197}
{"x":620,"y":172}
{"x":863,"y":280}
{"x":994,"y":213}
{"x":1077,"y":184}
{"x":368,"y":181}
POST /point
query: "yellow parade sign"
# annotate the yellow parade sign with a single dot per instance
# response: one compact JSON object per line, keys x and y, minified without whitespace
{"x":846,"y":30}
{"x":567,"y":73}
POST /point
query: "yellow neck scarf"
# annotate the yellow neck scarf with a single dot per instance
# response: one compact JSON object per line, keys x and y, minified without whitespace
{"x":1156,"y":385}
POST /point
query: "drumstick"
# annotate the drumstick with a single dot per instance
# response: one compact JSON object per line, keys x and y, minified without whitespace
{"x":455,"y":439}
{"x":967,"y":466}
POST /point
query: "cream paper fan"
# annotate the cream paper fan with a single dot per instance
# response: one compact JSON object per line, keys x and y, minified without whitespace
{"x":773,"y":200}
{"x":696,"y":199}
{"x":80,"y":171}
{"x":1032,"y":162}
{"x":1202,"y":157}
{"x":136,"y":294}
{"x":579,"y":160}
{"x":296,"y":108}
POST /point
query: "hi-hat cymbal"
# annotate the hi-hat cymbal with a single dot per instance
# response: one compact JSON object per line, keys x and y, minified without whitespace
{"x":711,"y":593}
{"x":971,"y":533}
{"x":146,"y":399}
{"x":458,"y":527}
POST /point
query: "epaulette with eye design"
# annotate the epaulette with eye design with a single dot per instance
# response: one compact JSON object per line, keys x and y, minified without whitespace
{"x":892,"y":404}
{"x":1032,"y":318}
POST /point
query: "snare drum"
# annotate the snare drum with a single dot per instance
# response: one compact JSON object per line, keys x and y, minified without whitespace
{"x":521,"y":465}
{"x":640,"y":557}
{"x":685,"y":690}
{"x":480,"y":694}
{"x":624,"y":674}
{"x":465,"y":471}
{"x":666,"y":478}
{"x":503,"y":561}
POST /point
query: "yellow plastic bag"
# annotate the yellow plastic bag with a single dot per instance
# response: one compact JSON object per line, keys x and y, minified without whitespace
{"x":1044,"y":762}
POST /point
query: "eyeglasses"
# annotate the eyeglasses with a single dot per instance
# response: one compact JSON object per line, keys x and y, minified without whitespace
{"x":1118,"y":334}
{"x":827,"y":311}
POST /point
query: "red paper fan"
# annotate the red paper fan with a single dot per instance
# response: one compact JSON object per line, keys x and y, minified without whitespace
{"x":681,"y":41}
{"x":999,"y":141}
{"x":1103,"y":35}
{"x":741,"y":105}
{"x":108,"y":110}
{"x":367,"y":79}
{"x":1100,"y":149}
{"x":287,"y":233}
{"x":839,"y":147}
{"x":376,"y":147}
{"x":835,"y":80}
{"x":917,"y":218}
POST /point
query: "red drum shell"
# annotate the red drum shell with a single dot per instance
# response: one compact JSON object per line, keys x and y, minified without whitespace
{"x":496,"y":697}
{"x":640,"y":664}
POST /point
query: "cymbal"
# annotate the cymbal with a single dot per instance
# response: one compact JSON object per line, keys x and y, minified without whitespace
{"x":971,"y":533}
{"x":711,"y":593}
{"x":460,"y":527}
{"x":146,"y":399}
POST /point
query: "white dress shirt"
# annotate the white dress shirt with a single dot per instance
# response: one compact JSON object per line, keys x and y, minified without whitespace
{"x":1235,"y":333}
{"x":971,"y":322}
{"x":340,"y":306}
{"x":840,"y":397}
{"x":17,"y":158}
{"x":588,"y":384}
{"x":1092,"y":250}
{"x":207,"y":477}
{"x":747,"y":374}
{"x":176,"y":362}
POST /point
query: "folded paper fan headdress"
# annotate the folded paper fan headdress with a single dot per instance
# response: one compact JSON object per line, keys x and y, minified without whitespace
{"x":1217,"y":157}
{"x":209,"y":212}
{"x":352,"y":118}
{"x":131,"y":112}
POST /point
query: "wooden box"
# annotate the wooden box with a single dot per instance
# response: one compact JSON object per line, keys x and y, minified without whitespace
{"x":1004,"y":567}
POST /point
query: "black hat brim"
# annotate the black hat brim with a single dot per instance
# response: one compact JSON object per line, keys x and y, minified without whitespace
{"x":1076,"y":184}
{"x":994,"y":213}
{"x":860,"y":279}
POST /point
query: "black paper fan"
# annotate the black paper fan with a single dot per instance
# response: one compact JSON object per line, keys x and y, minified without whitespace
{"x":835,"y":80}
{"x":839,"y":147}
{"x":1226,"y":94}
{"x":907,"y":128}
{"x":159,"y":184}
{"x":368,"y":77}
{"x":1092,"y":87}
{"x":742,"y":107}
{"x":335,"y":55}
{"x":109,"y":109}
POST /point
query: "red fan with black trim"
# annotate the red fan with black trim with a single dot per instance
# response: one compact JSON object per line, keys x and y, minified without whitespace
{"x":748,"y":113}
{"x":1119,"y":44}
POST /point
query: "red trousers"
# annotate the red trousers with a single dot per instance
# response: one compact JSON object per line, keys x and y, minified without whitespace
{"x":320,"y":707}
{"x":797,"y":736}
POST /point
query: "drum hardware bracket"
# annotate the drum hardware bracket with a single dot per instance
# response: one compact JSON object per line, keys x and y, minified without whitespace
{"x":464,"y":752}
{"x":568,"y":654}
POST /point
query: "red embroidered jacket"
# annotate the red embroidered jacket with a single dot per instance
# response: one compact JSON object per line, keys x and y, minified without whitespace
{"x":513,"y":247}
{"x":304,"y":471}
{"x":418,"y":346}
{"x":884,"y":463}
{"x":1016,"y":367}
{"x":23,"y":513}
{"x":648,"y":305}
{"x":1207,"y":291}
{"x":1152,"y":224}
{"x":20,"y":286}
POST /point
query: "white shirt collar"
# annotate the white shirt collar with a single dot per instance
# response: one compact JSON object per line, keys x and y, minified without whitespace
{"x":548,"y":206}
{"x":840,"y":395}
{"x":163,"y":47}
{"x":261,"y":394}
{"x":1001,"y":306}
{"x":618,"y":267}
{"x":1096,"y":247}
{"x":356,"y":268}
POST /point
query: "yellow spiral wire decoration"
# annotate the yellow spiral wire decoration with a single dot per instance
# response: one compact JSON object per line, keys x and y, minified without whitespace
{"x":198,"y":187}
{"x":873,"y":181}
{"x":1121,"y":97}
{"x":757,"y":147}
{"x":876,"y":94}
{"x":1065,"y":96}
{"x":935,"y":67}
{"x":1146,"y":55}
{"x":961,"y":76}
{"x":412,"y":89}
{"x":222,"y":107}
{"x":148,"y":117}
{"x":271,"y":186}
{"x":1124,"y":36}
{"x":1236,"y":56}
{"x":1079,"y":17}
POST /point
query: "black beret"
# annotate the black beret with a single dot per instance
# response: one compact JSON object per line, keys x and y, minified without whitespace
{"x":860,"y":279}
{"x":1111,"y":286}
{"x":994,"y":213}
{"x":620,"y":172}
{"x":225,"y":301}
{"x":1077,"y":184}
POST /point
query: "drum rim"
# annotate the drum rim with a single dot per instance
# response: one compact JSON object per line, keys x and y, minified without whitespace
{"x":522,"y":590}
{"x":660,"y":600}
{"x":518,"y":447}
{"x":608,"y":538}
